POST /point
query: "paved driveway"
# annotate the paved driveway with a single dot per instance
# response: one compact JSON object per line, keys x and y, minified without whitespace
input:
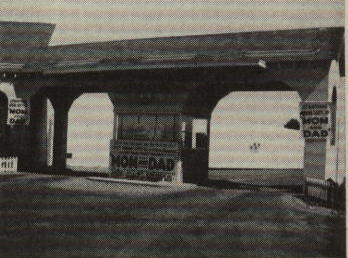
{"x":47,"y":216}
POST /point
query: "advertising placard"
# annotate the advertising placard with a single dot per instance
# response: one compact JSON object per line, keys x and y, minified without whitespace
{"x":143,"y":156}
{"x":18,"y":112}
{"x":315,"y":118}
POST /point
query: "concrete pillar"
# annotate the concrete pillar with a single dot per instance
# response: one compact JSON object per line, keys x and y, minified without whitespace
{"x":322,"y":158}
{"x":7,"y":91}
{"x":61,"y":104}
{"x":17,"y":137}
{"x":37,"y":156}
{"x":195,"y":152}
{"x":60,"y":137}
{"x":3,"y":126}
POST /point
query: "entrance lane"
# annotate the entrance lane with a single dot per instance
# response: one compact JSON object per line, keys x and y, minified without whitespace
{"x":63,"y":216}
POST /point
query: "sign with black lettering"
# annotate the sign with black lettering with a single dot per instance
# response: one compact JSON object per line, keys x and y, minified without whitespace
{"x":315,"y":118}
{"x":160,"y":164}
{"x":141,"y":156}
{"x":18,"y":112}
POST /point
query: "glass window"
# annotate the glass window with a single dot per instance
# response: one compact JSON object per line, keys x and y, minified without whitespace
{"x":199,"y":133}
{"x":138,"y":127}
{"x":165,"y":130}
{"x":147,"y":127}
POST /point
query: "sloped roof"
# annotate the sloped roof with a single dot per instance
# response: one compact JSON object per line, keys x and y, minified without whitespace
{"x":187,"y":51}
{"x":246,"y":48}
{"x":20,"y":42}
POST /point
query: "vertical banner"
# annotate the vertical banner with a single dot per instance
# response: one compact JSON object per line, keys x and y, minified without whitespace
{"x":315,"y":118}
{"x":18,"y":111}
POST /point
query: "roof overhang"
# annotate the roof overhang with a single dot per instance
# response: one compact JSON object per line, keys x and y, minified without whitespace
{"x":22,"y":42}
{"x":102,"y":66}
{"x":26,"y":50}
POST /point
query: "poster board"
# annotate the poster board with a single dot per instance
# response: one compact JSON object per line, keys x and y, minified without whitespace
{"x":316,"y":120}
{"x":137,"y":157}
{"x":18,"y":112}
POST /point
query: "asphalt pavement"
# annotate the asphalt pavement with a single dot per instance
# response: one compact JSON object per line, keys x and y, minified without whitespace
{"x":60,"y":216}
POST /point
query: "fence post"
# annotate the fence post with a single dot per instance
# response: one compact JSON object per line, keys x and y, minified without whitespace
{"x":336,"y":197}
{"x":15,"y":164}
{"x":328,"y":195}
{"x":305,"y":190}
{"x":1,"y":169}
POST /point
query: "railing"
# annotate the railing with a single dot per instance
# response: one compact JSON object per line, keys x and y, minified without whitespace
{"x":326,"y":193}
{"x":8,"y":164}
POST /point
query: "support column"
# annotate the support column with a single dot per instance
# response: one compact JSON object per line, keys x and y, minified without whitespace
{"x":321,"y":155}
{"x":37,"y":155}
{"x":61,"y":104}
{"x":27,"y":142}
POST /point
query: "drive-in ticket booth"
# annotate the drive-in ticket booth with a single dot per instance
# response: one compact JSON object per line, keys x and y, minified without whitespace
{"x":157,"y":144}
{"x":146,"y":147}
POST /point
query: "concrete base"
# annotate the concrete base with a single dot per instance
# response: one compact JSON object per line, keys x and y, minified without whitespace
{"x":143,"y":183}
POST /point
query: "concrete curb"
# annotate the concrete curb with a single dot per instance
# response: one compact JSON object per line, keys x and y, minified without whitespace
{"x":142,"y":183}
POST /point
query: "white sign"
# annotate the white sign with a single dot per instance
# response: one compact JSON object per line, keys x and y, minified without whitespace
{"x":18,"y":112}
{"x":315,"y":118}
{"x":8,"y":164}
{"x":141,"y":156}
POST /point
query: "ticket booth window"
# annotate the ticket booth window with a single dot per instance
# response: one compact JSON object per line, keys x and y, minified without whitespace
{"x":201,"y":140}
{"x":165,"y":129}
{"x":194,"y":133}
{"x":200,"y":134}
{"x":147,"y":127}
{"x":138,"y":127}
{"x":186,"y":133}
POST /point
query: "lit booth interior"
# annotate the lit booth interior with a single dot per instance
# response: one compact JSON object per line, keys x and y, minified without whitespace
{"x":155,"y":145}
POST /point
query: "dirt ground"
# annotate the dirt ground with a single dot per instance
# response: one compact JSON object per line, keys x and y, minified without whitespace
{"x":59,"y":216}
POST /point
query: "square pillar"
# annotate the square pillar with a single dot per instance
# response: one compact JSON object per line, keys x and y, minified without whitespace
{"x":37,"y":133}
{"x":61,"y":104}
{"x":195,"y":149}
{"x":323,"y":157}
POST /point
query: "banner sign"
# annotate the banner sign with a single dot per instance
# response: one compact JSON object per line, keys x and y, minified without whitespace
{"x":18,"y":112}
{"x":315,"y":118}
{"x":141,"y":156}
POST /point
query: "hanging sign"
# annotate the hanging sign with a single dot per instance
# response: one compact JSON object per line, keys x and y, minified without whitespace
{"x":315,"y":118}
{"x":18,"y":112}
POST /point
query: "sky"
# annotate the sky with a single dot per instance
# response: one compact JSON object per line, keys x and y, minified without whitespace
{"x":98,"y":20}
{"x":243,"y":118}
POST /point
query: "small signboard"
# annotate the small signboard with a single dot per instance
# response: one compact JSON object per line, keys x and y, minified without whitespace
{"x":315,"y":118}
{"x":18,"y":112}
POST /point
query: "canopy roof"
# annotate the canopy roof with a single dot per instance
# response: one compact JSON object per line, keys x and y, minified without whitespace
{"x":24,"y":47}
{"x":20,"y":42}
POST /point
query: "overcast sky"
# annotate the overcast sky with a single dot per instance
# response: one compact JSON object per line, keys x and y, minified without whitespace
{"x":242,"y":118}
{"x":96,"y":20}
